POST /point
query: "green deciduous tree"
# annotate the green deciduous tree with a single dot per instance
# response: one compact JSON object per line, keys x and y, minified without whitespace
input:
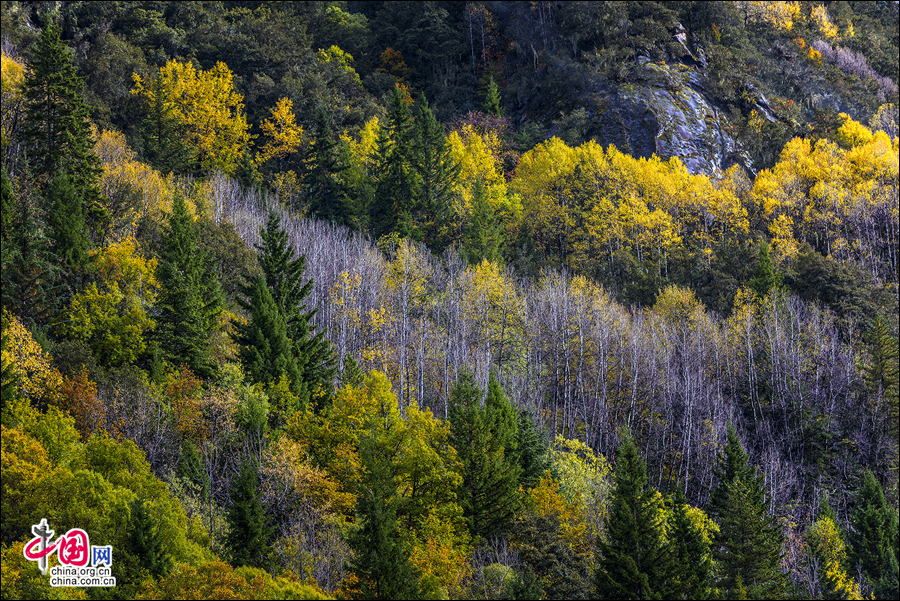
{"x":634,"y":561}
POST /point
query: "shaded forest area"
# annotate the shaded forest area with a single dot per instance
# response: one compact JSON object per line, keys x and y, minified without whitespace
{"x":402,"y":300}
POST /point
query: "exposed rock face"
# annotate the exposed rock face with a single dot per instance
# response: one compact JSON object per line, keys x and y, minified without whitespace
{"x":664,"y":110}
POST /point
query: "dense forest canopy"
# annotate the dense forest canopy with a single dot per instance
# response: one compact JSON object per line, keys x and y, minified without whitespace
{"x":452,"y":299}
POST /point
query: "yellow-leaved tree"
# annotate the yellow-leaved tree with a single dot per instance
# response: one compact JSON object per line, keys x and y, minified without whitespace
{"x":13,"y":76}
{"x":208,"y":109}
{"x":283,"y":134}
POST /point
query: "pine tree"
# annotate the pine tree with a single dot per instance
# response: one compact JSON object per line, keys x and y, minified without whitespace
{"x":146,"y":541}
{"x":690,"y":555}
{"x":483,"y":236}
{"x":437,"y":174}
{"x":748,"y":546}
{"x":874,"y":538}
{"x":395,"y":189}
{"x":489,"y":494}
{"x":65,"y":219}
{"x":55,"y":127}
{"x":634,"y":561}
{"x":29,"y":277}
{"x":533,"y":450}
{"x":327,"y":195}
{"x":249,"y":536}
{"x":492,"y":100}
{"x":380,"y":553}
{"x":266,"y":351}
{"x":283,"y":275}
{"x":765,"y":277}
{"x":191,"y":296}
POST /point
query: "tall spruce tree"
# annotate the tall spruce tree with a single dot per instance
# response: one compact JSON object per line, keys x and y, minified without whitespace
{"x":326,"y":193}
{"x":437,"y":174}
{"x":249,"y":536}
{"x":65,"y":219}
{"x":283,"y":276}
{"x":191,"y":296}
{"x":146,"y":541}
{"x":748,"y":546}
{"x":55,"y":128}
{"x":766,"y":276}
{"x":29,"y":277}
{"x":634,"y":560}
{"x":533,"y":450}
{"x":380,"y":553}
{"x":393,"y":205}
{"x":874,"y":539}
{"x":266,"y":351}
{"x":486,"y":446}
{"x":492,"y":99}
{"x":691,"y":565}
{"x":483,"y":236}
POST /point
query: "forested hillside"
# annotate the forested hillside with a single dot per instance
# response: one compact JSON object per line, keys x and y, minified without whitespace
{"x":546,"y":300}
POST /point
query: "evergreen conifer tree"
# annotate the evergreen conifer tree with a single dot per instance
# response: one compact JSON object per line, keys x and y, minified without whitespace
{"x":765,"y":277}
{"x":66,"y":228}
{"x":489,"y":494}
{"x":395,"y":189}
{"x":492,"y":99}
{"x":146,"y":542}
{"x":191,"y":296}
{"x":690,"y":555}
{"x":29,"y":277}
{"x":327,"y":195}
{"x":266,"y":351}
{"x":874,"y":538}
{"x":634,"y":560}
{"x":55,"y":127}
{"x":748,"y":546}
{"x":437,"y":174}
{"x":533,"y":450}
{"x":483,"y":236}
{"x":249,"y":536}
{"x":380,"y":553}
{"x":283,"y":276}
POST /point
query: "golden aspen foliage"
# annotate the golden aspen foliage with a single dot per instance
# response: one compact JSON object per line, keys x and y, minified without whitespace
{"x":13,"y":76}
{"x":121,"y":175}
{"x":834,"y":195}
{"x":827,"y":547}
{"x":39,"y":381}
{"x":362,"y":151}
{"x":283,"y":135}
{"x":820,"y":16}
{"x":546,"y":499}
{"x":209,"y":110}
{"x":478,"y":156}
{"x":780,"y":15}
